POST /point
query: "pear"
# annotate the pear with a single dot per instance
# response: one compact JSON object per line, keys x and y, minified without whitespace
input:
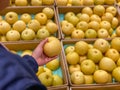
{"x":81,"y":47}
{"x":19,"y":26}
{"x":46,"y":79}
{"x":57,"y":80}
{"x":88,"y":67}
{"x":49,"y":12}
{"x":41,"y":17}
{"x":95,"y":55}
{"x":107,"y":64}
{"x":101,"y":76}
{"x":72,"y":58}
{"x":52,"y":27}
{"x":77,"y":78}
{"x":13,"y":35}
{"x":43,"y":33}
{"x":26,"y":52}
{"x":53,"y":65}
{"x":25,"y":17}
{"x":11,"y":17}
{"x":4,"y":27}
{"x":34,"y":25}
{"x":36,"y":2}
{"x":21,"y":2}
{"x":116,"y":74}
{"x":28,"y":34}
{"x":46,"y":2}
{"x":52,"y":47}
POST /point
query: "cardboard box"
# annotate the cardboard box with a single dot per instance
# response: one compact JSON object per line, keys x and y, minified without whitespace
{"x":32,"y":11}
{"x":60,"y":88}
{"x":21,"y":46}
{"x":101,"y":87}
{"x":108,"y":86}
{"x":62,"y":10}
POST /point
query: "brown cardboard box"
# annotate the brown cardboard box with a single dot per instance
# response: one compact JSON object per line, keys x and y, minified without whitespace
{"x":101,"y":87}
{"x":21,"y":46}
{"x":62,"y":10}
{"x":107,"y":86}
{"x":32,"y":11}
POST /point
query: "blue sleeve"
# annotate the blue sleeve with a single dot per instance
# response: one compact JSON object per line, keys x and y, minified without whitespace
{"x":31,"y":61}
{"x":16,"y":73}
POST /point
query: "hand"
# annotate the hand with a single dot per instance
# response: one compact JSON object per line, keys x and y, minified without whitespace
{"x":39,"y":55}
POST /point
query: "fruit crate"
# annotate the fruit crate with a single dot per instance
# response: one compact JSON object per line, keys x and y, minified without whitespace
{"x":30,"y":3}
{"x":102,"y":87}
{"x":77,"y":10}
{"x":20,"y":47}
{"x":112,"y":85}
{"x":60,"y":88}
{"x":82,"y":2}
{"x":32,"y":11}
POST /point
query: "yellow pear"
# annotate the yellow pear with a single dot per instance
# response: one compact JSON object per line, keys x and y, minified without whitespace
{"x":61,"y":2}
{"x":46,"y":2}
{"x":99,"y":10}
{"x":26,"y":17}
{"x":52,"y":47}
{"x":101,"y":76}
{"x":52,"y":27}
{"x":19,"y":26}
{"x":49,"y":12}
{"x":72,"y":58}
{"x":87,"y":10}
{"x":4,"y":27}
{"x":21,"y":2}
{"x":107,"y":64}
{"x":81,"y":47}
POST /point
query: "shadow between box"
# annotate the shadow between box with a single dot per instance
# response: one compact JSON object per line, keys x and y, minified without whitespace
{"x":77,"y":9}
{"x":31,"y":46}
{"x":110,"y":86}
{"x":32,"y":10}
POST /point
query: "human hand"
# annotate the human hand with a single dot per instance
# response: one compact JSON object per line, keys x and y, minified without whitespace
{"x":39,"y":55}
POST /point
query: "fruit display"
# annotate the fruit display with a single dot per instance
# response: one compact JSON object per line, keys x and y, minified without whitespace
{"x":84,"y":2}
{"x":31,"y":2}
{"x":92,"y":62}
{"x":52,"y":75}
{"x":28,"y":24}
{"x":88,"y":22}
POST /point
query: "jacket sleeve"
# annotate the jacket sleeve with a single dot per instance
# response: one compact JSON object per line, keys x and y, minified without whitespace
{"x":31,"y":61}
{"x":16,"y":73}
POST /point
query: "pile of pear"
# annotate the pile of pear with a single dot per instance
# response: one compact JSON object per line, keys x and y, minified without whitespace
{"x":84,"y":2}
{"x":31,"y":2}
{"x":95,"y":62}
{"x":91,"y":22}
{"x":25,"y":26}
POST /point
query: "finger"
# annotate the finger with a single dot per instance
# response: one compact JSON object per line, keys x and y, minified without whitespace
{"x":52,"y":58}
{"x":43,"y":42}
